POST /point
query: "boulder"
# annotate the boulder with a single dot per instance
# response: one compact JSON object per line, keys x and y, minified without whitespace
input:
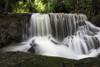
{"x":33,"y":45}
{"x":32,"y":50}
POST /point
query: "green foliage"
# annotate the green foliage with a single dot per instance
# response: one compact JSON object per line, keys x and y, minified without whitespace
{"x":36,"y":6}
{"x":20,"y":7}
{"x":74,"y":6}
{"x":47,"y":6}
{"x":40,"y":6}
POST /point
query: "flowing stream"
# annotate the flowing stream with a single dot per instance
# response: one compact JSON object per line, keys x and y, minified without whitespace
{"x":59,"y":34}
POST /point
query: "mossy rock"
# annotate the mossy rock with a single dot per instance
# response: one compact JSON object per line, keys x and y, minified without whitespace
{"x":21,"y":59}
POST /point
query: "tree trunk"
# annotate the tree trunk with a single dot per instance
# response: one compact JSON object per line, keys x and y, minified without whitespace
{"x":95,"y":7}
{"x":74,"y":3}
{"x":45,"y":1}
{"x":30,"y":7}
{"x":85,"y":1}
{"x":7,"y":5}
{"x":57,"y":2}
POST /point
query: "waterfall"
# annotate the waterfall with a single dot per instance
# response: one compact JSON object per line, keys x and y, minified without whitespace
{"x":39,"y":25}
{"x":64,"y":25}
{"x":69,"y":29}
{"x":73,"y":31}
{"x":63,"y":35}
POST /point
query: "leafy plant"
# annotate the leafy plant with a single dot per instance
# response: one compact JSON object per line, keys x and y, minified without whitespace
{"x":40,"y":6}
{"x":20,"y":7}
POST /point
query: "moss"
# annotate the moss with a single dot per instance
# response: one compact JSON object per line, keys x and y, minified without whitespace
{"x":20,"y":59}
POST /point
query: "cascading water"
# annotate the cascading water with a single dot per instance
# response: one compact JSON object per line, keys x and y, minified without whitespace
{"x":39,"y":25}
{"x":63,"y":35}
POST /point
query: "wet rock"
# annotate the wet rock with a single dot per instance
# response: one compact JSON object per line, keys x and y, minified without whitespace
{"x":5,"y":39}
{"x":11,"y":27}
{"x":33,"y":45}
{"x":32,"y":50}
{"x":96,"y":20}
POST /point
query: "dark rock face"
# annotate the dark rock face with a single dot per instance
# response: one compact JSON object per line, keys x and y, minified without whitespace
{"x":96,"y":20}
{"x":11,"y":25}
{"x":5,"y":38}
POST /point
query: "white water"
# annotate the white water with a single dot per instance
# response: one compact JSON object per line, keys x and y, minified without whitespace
{"x":63,"y":35}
